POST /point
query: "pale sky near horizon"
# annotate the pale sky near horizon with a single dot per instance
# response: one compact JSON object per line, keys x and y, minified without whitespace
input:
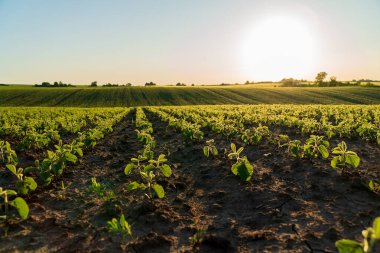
{"x":197,"y":41}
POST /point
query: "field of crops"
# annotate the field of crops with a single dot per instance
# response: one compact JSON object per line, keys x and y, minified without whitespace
{"x":216,"y":178}
{"x":198,"y":95}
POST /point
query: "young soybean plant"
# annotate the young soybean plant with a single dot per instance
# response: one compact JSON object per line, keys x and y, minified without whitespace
{"x":242,"y":167}
{"x":315,"y":146}
{"x":7,"y":154}
{"x":210,"y":148}
{"x":371,"y":237}
{"x":101,"y":190}
{"x":120,"y":226}
{"x":148,"y":173}
{"x":344,"y":158}
{"x":18,"y":203}
{"x":24,"y":184}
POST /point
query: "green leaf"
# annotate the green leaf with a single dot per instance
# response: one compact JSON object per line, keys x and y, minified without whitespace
{"x":79,"y":151}
{"x":148,"y":168}
{"x":29,"y":181}
{"x":349,"y":246}
{"x":21,"y":206}
{"x":28,"y":169}
{"x":371,"y":185}
{"x":323,"y":150}
{"x":128,"y":168}
{"x":354,"y":160}
{"x":166,"y":170}
{"x":135,"y":185}
{"x":334,"y":162}
{"x":206,"y":151}
{"x":242,"y":169}
{"x":71,"y":158}
{"x":159,"y":190}
{"x":11,"y":192}
{"x":376,"y":227}
{"x":233,"y":147}
{"x":214,"y":151}
{"x":12,"y":168}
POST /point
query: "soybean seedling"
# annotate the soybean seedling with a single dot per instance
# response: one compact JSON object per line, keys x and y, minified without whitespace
{"x":242,"y":166}
{"x":7,"y":154}
{"x":210,"y":148}
{"x":120,"y":226}
{"x":101,"y":190}
{"x":315,"y":146}
{"x":149,"y":185}
{"x":23,"y":184}
{"x":18,"y":203}
{"x":344,"y":158}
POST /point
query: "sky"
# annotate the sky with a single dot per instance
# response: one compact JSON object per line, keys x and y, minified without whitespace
{"x":197,"y":41}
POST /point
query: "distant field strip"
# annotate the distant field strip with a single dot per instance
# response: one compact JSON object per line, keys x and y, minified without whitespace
{"x":144,"y":96}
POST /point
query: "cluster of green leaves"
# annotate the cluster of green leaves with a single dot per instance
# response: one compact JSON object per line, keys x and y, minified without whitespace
{"x":39,"y":132}
{"x":242,"y":167}
{"x":17,"y":203}
{"x":56,"y":161}
{"x":24,"y":184}
{"x":190,"y":131}
{"x":348,"y":121}
{"x":90,"y":137}
{"x":314,"y":146}
{"x":150,"y":171}
{"x":371,"y":236}
{"x":210,"y":148}
{"x":120,"y":226}
{"x":7,"y":154}
{"x":344,"y":158}
{"x":101,"y":190}
{"x":255,"y":135}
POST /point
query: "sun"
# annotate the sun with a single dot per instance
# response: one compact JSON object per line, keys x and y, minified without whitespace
{"x":278,"y":47}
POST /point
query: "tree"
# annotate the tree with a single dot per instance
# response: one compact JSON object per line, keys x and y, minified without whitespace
{"x":94,"y":84}
{"x":320,"y":77}
{"x":333,"y":81}
{"x":150,"y":84}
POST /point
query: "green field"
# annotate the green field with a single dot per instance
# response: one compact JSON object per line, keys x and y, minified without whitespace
{"x":143,"y":96}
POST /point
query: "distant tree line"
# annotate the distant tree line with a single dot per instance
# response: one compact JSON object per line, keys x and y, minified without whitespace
{"x":55,"y":84}
{"x":320,"y":81}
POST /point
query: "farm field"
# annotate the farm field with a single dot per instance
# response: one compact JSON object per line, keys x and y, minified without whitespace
{"x":153,"y":96}
{"x":205,"y":178}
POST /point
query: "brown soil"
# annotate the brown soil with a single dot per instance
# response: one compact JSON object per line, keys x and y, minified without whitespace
{"x":291,"y":206}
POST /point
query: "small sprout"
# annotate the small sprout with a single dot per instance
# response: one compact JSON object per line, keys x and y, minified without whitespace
{"x":198,"y":237}
{"x":120,"y":226}
{"x":210,"y":148}
{"x":24,"y":184}
{"x":101,"y":190}
{"x":242,"y":167}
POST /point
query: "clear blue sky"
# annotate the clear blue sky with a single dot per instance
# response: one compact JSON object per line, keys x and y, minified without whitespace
{"x":190,"y":41}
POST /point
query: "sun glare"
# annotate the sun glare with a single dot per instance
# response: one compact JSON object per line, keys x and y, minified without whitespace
{"x":278,"y":47}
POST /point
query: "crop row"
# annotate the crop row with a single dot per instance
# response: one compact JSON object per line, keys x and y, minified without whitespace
{"x":52,"y":166}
